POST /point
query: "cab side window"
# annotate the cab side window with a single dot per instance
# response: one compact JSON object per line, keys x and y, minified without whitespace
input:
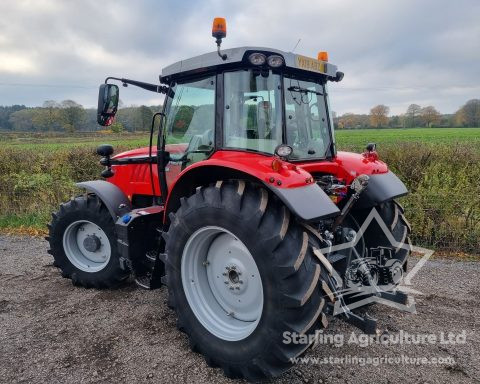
{"x":252,"y":117}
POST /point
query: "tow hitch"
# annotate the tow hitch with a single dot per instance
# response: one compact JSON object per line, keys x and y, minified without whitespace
{"x":366,"y":323}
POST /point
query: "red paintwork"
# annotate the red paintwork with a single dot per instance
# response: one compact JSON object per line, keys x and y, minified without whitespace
{"x":347,"y":166}
{"x":259,"y":166}
{"x":135,"y":178}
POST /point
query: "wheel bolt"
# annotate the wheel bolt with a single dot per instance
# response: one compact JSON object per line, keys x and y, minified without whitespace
{"x":237,"y":288}
{"x":224,"y":273}
{"x":226,"y":281}
{"x":240,"y":281}
{"x":231,"y":288}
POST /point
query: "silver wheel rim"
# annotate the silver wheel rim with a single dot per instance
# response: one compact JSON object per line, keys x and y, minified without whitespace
{"x":222,"y":283}
{"x":86,"y":246}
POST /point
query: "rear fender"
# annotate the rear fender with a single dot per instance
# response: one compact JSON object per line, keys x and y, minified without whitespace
{"x":381,"y":188}
{"x":114,"y":199}
{"x":304,"y":199}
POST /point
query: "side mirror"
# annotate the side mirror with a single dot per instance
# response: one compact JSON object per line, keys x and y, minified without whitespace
{"x":107,"y":104}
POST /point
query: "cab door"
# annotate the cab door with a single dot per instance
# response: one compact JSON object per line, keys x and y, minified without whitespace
{"x":189,"y":125}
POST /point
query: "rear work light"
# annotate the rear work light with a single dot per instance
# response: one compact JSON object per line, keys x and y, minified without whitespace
{"x":275,"y":61}
{"x":257,"y":58}
{"x":283,"y":151}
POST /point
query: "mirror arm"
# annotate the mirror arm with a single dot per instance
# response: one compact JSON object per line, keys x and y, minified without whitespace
{"x":141,"y":84}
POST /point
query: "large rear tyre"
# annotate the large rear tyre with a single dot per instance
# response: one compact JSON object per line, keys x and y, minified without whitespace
{"x":83,"y":243}
{"x":392,"y":214}
{"x":241,"y":272}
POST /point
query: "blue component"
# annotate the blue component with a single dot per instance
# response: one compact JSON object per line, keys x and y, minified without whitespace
{"x":126,"y":218}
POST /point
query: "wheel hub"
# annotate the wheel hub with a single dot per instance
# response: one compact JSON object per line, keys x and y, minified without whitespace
{"x":233,"y":278}
{"x":86,"y":246}
{"x":92,"y":243}
{"x":224,"y":287}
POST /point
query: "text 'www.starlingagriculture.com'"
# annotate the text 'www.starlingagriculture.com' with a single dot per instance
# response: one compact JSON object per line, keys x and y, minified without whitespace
{"x":374,"y":360}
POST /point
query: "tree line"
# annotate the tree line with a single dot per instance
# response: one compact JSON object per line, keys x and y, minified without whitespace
{"x":415,"y":116}
{"x":69,"y":116}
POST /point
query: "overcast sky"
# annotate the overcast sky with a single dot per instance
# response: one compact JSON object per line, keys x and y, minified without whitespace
{"x":392,"y":52}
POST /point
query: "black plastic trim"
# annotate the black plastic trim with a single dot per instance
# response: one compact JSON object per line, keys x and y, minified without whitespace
{"x":381,"y":188}
{"x":308,"y":203}
{"x":112,"y":196}
{"x":219,"y":105}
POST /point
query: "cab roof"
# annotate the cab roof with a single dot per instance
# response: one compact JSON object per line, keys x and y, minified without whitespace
{"x":238,"y":56}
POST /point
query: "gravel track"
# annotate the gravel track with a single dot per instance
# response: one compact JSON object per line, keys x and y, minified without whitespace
{"x":53,"y":332}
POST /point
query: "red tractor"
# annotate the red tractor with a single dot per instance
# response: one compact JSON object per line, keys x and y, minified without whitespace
{"x":239,"y":209}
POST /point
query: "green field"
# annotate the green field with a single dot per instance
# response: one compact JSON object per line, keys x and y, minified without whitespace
{"x":441,"y":168}
{"x":351,"y":138}
{"x":358,"y":137}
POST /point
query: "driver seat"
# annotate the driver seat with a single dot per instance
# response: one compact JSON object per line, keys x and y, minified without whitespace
{"x":264,"y":116}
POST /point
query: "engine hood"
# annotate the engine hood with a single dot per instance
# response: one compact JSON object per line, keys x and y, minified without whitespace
{"x":347,"y":165}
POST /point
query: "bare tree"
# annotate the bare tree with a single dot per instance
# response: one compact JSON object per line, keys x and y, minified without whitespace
{"x":430,"y":116}
{"x":413,"y":111}
{"x":379,"y":116}
{"x":46,"y":118}
{"x":347,"y":121}
{"x":469,"y":114}
{"x":72,"y":115}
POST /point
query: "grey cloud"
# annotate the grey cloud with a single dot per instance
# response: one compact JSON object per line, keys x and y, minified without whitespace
{"x":393,"y":52}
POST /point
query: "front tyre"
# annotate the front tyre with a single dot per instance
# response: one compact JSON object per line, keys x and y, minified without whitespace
{"x":83,"y":243}
{"x":241,"y":275}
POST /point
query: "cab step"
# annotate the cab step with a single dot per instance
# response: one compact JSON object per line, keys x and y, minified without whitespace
{"x":153,"y":270}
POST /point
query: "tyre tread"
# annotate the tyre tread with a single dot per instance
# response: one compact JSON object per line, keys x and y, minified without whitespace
{"x":74,"y":207}
{"x":304,"y":304}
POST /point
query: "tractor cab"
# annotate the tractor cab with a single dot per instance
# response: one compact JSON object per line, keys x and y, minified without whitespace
{"x":257,"y":100}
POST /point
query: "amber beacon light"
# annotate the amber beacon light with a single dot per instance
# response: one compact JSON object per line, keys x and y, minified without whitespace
{"x":219,"y":31}
{"x":219,"y":28}
{"x":322,"y":56}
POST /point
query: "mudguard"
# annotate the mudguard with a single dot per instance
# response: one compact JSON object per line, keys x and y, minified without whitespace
{"x":305,"y":200}
{"x":381,"y":188}
{"x":308,"y":203}
{"x":114,"y":199}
